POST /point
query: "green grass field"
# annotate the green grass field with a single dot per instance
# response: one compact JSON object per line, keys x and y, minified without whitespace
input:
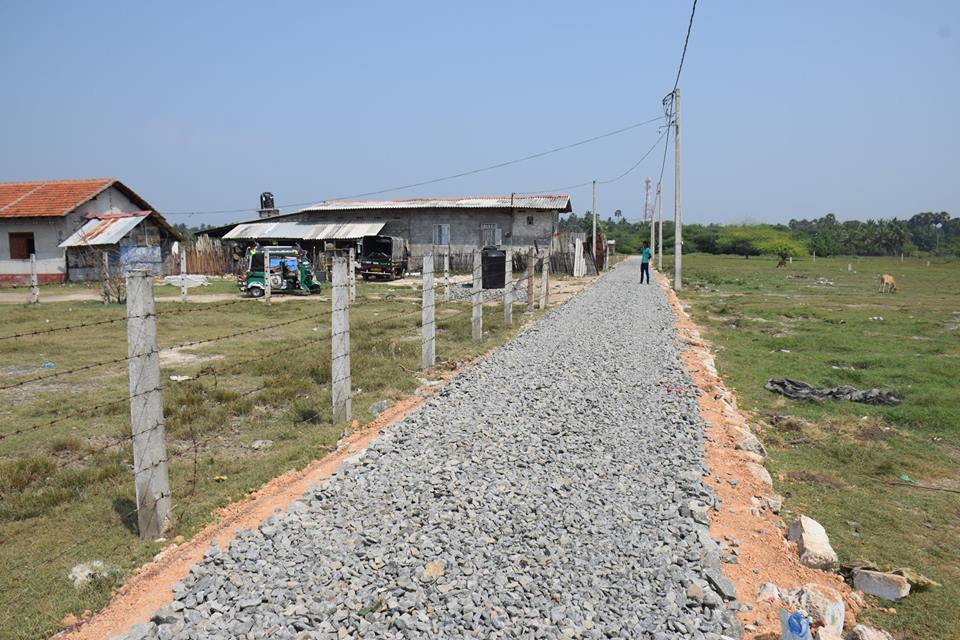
{"x":840,"y":462}
{"x":66,"y":490}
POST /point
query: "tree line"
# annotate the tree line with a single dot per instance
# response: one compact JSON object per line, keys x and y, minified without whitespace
{"x":928,"y":233}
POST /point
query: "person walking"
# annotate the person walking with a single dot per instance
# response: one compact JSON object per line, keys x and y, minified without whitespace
{"x":645,"y":256}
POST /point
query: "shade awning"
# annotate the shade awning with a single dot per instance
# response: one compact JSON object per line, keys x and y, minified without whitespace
{"x":105,"y":230}
{"x":303,"y":231}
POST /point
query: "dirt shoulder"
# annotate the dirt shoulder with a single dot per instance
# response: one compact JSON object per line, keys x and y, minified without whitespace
{"x":764,"y":553}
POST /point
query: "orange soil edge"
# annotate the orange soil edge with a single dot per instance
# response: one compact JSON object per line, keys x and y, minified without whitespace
{"x":765,"y":556}
{"x":151,"y":586}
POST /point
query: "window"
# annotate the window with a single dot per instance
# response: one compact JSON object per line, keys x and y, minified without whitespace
{"x":441,"y":234}
{"x":529,"y":219}
{"x":490,"y":235}
{"x":21,"y":246}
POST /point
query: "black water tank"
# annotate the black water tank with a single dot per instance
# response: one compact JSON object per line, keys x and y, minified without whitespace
{"x":494,"y":268}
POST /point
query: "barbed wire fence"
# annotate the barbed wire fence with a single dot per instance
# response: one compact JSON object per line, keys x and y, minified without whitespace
{"x":158,"y":493}
{"x":145,"y":453}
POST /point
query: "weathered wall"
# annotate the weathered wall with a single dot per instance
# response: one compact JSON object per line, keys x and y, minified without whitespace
{"x":416,"y":225}
{"x":48,"y":232}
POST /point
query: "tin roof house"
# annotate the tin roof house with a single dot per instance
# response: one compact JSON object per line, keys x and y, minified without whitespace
{"x":69,"y":224}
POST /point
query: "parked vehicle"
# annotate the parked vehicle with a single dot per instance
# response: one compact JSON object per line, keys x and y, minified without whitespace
{"x":383,"y":257}
{"x":290,"y":272}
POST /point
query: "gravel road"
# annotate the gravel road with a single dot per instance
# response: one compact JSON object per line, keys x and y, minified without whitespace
{"x":551,"y":491}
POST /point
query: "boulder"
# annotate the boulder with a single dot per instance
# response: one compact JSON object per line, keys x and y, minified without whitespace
{"x":746,"y":441}
{"x":759,"y":472}
{"x":863,"y":632}
{"x":825,"y":633}
{"x":773,"y":502}
{"x":888,"y":586}
{"x":813,"y":543}
{"x":822,"y":604}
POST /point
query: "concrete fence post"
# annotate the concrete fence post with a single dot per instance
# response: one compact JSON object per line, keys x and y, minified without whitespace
{"x":446,"y":275}
{"x":34,"y":285}
{"x":105,"y":276}
{"x":340,"y":343}
{"x":508,"y":289}
{"x":428,"y":352}
{"x":267,"y":286}
{"x":183,"y":273}
{"x":146,"y":408}
{"x":353,"y":275}
{"x":477,"y":298}
{"x":530,"y":280}
{"x":544,"y":281}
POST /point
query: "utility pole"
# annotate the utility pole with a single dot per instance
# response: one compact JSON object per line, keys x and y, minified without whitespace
{"x":593,"y":249}
{"x":678,"y":228}
{"x":648,"y":212}
{"x":660,"y":228}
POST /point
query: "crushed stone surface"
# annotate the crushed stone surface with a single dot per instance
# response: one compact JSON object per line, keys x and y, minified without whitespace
{"x":554,"y":490}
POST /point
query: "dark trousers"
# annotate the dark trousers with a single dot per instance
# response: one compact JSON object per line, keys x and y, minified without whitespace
{"x":645,"y":269}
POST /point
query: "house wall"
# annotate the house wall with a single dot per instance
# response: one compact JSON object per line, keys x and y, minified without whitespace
{"x":48,"y":232}
{"x":416,"y":225}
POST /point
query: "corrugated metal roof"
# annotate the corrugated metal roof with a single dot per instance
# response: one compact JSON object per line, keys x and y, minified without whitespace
{"x":302,"y":231}
{"x":559,"y":202}
{"x":107,"y":229}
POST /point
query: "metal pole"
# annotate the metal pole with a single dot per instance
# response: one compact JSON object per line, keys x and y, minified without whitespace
{"x":677,"y":220}
{"x":660,"y":229}
{"x":476,"y":315}
{"x":593,"y":250}
{"x":183,"y":273}
{"x":34,"y":287}
{"x":428,"y":354}
{"x":340,"y":343}
{"x":146,"y":408}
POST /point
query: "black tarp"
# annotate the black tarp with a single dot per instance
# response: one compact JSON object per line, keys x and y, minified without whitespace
{"x":798,"y":390}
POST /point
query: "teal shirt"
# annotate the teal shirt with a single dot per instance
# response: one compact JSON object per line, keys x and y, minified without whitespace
{"x":646,"y":255}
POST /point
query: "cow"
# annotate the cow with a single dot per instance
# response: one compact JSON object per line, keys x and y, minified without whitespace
{"x":887,"y":284}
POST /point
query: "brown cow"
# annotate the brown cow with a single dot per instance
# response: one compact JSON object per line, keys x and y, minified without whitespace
{"x":887,"y":283}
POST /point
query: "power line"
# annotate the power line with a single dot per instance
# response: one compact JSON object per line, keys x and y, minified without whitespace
{"x":637,"y":163}
{"x":610,"y":180}
{"x":686,"y":40}
{"x":453,"y":176}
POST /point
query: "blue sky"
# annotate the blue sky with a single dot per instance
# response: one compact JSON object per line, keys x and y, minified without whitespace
{"x":790,"y":109}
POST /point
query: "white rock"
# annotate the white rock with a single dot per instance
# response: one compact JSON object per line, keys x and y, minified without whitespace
{"x":746,"y":441}
{"x":815,"y":549}
{"x":760,"y":473}
{"x":825,"y":633}
{"x":822,"y":604}
{"x":883,"y":585}
{"x":768,"y":591}
{"x":863,"y":632}
{"x":85,"y":572}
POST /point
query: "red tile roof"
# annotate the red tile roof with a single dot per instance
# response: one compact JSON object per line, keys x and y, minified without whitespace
{"x":47,"y":197}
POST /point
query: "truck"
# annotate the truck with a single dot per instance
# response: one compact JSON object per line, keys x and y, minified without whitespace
{"x":383,"y":257}
{"x":289,"y":269}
